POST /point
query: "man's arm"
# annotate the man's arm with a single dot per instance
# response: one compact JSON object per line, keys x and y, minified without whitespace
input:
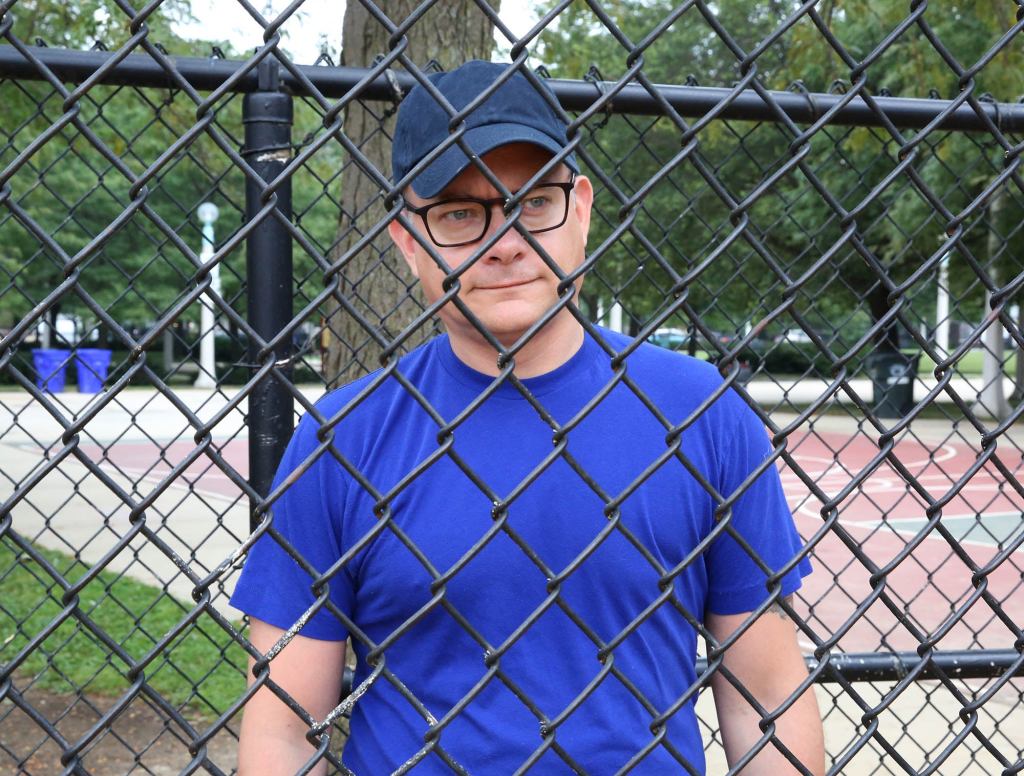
{"x":766,"y":660}
{"x":273,"y":737}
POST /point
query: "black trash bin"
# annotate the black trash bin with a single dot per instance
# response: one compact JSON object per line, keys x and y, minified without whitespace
{"x":892,"y":377}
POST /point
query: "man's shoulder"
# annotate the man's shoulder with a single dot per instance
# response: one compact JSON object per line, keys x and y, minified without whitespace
{"x":676,"y":383}
{"x":661,"y":364}
{"x":370,"y":405}
{"x":383,"y":385}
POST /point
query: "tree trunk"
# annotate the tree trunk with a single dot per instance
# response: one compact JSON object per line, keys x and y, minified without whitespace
{"x":887,"y":339}
{"x":992,"y":397}
{"x":375,"y":280}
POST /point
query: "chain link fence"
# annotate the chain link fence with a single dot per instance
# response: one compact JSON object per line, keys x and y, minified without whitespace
{"x":849,"y":259}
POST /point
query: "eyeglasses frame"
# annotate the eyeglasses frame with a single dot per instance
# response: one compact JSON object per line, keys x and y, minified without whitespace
{"x":567,"y":188}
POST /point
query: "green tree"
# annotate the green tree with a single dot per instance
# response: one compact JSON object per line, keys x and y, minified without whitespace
{"x":75,"y":186}
{"x":82,"y":23}
{"x":72,"y":191}
{"x":681,"y":217}
{"x":905,"y":225}
{"x":789,"y":225}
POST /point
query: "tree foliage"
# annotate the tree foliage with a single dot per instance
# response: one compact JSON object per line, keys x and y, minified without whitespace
{"x":725,"y":243}
{"x":719,"y":214}
{"x":75,"y":187}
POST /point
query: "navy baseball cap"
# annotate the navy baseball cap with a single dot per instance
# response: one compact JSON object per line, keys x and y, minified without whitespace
{"x":515,"y":113}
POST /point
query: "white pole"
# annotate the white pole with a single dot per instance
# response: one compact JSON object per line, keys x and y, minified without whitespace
{"x":992,"y":397}
{"x":942,"y":309}
{"x":207,"y":377}
{"x":615,"y":317}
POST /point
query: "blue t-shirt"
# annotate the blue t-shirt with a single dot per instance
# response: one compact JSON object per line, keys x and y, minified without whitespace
{"x":524,"y":574}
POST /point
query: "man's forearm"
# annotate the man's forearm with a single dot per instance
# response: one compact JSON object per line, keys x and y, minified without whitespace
{"x":272,"y":739}
{"x":766,"y":661}
{"x":272,"y":755}
{"x":798,"y":730}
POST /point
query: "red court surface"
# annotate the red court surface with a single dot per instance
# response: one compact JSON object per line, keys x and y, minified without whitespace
{"x":151,"y":462}
{"x":882,"y":516}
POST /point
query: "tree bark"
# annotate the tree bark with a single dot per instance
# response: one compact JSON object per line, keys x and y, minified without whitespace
{"x":887,"y":338}
{"x":375,"y":280}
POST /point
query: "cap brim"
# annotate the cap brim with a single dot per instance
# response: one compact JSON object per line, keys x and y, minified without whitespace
{"x":482,"y":140}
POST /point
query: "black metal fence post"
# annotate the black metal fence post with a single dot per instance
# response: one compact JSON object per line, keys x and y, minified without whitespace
{"x":267,"y":115}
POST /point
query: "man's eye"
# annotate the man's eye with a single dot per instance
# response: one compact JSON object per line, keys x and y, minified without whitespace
{"x":457,"y":215}
{"x":536,"y":201}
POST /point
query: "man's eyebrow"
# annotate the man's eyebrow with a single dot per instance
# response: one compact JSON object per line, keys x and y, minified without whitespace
{"x":454,"y":192}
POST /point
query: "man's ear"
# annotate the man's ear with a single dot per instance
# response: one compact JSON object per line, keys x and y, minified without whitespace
{"x":584,"y":200}
{"x":405,"y":243}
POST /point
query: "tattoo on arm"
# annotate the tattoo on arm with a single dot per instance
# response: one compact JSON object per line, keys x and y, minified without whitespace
{"x":776,"y":607}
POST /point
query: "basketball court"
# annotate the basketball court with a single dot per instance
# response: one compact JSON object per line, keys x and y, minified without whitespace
{"x":927,"y":569}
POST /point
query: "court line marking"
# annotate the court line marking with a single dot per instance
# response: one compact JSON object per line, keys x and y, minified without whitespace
{"x":893,"y":525}
{"x":948,"y":453}
{"x":810,"y":507}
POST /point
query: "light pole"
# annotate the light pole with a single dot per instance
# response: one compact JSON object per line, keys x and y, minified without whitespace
{"x":207,"y":377}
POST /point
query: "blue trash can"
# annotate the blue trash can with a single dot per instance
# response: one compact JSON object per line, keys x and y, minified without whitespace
{"x":50,"y":365}
{"x":92,"y":365}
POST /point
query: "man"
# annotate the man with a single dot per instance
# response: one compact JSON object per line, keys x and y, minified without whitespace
{"x":522,"y":561}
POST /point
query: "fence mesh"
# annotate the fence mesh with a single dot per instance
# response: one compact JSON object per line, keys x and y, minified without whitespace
{"x":854,"y":272}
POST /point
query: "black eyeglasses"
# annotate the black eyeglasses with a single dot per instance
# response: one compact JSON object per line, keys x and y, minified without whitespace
{"x":455,"y":222}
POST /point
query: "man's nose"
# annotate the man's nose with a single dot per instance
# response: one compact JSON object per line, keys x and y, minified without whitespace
{"x":511,"y":244}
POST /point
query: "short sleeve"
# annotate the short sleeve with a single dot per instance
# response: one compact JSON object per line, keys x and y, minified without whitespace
{"x":273,"y":587}
{"x":761,"y":516}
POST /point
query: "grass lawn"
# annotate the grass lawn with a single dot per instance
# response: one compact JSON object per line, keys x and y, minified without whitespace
{"x":202,"y":668}
{"x":970,"y":364}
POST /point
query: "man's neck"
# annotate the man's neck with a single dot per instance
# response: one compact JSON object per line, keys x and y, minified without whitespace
{"x":548,"y":349}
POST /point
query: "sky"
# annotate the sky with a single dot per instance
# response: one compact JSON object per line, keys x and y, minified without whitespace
{"x":317,"y":22}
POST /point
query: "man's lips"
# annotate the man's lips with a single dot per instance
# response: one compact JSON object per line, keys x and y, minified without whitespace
{"x":505,"y":284}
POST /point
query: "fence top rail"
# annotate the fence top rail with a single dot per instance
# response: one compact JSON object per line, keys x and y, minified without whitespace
{"x":207,"y":74}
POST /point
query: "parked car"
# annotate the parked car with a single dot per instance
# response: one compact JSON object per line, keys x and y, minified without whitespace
{"x":672,"y":339}
{"x":750,"y":357}
{"x":679,"y":339}
{"x":797,"y":336}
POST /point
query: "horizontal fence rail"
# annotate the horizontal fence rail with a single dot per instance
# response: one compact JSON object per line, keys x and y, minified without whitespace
{"x":209,"y":74}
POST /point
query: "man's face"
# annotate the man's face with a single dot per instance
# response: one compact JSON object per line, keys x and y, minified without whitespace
{"x":509,"y":287}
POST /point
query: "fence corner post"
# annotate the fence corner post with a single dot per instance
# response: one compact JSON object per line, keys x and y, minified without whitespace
{"x":267,"y":115}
